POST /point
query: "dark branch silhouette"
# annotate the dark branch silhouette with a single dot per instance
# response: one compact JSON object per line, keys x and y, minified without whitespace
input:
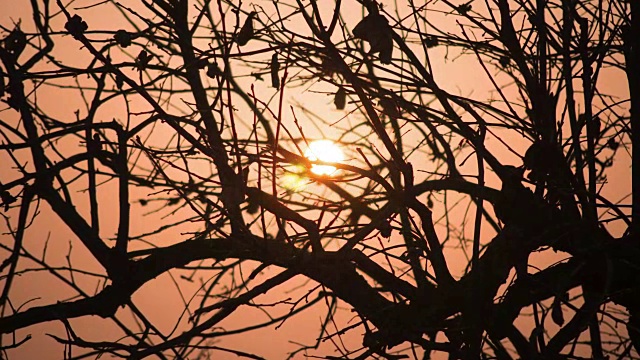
{"x":483,"y":206}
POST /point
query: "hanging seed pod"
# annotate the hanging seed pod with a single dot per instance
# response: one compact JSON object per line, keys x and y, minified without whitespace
{"x":275,"y":67}
{"x":340,"y":99}
{"x":246,"y":33}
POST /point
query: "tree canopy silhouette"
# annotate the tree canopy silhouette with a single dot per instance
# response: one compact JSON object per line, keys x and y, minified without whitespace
{"x":486,"y":204}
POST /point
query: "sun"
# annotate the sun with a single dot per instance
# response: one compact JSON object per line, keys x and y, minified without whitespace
{"x":324,"y":150}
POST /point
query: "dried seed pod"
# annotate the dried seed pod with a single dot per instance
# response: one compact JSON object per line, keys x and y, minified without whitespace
{"x":123,"y":38}
{"x":76,"y":26}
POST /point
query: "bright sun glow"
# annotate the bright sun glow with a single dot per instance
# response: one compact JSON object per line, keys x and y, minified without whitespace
{"x":324,"y":150}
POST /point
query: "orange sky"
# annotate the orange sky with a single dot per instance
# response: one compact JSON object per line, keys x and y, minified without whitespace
{"x":159,"y":299}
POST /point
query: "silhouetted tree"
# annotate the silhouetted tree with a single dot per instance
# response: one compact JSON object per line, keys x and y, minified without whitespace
{"x":485,"y":207}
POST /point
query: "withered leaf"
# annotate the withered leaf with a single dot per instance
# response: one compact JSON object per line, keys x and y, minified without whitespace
{"x":613,"y":144}
{"x":595,"y":126}
{"x":534,"y":157}
{"x":94,"y":145}
{"x":7,"y":199}
{"x":213,"y":70}
{"x":246,"y":33}
{"x":253,"y":206}
{"x":119,"y":81}
{"x":2,"y":88}
{"x":375,"y":30}
{"x":385,"y":229}
{"x":389,"y":107}
{"x":340,"y":99}
{"x":464,"y":8}
{"x":386,"y":50}
{"x":328,"y":67}
{"x":275,"y":67}
{"x":431,"y":41}
{"x":143,"y":59}
{"x":504,"y":61}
